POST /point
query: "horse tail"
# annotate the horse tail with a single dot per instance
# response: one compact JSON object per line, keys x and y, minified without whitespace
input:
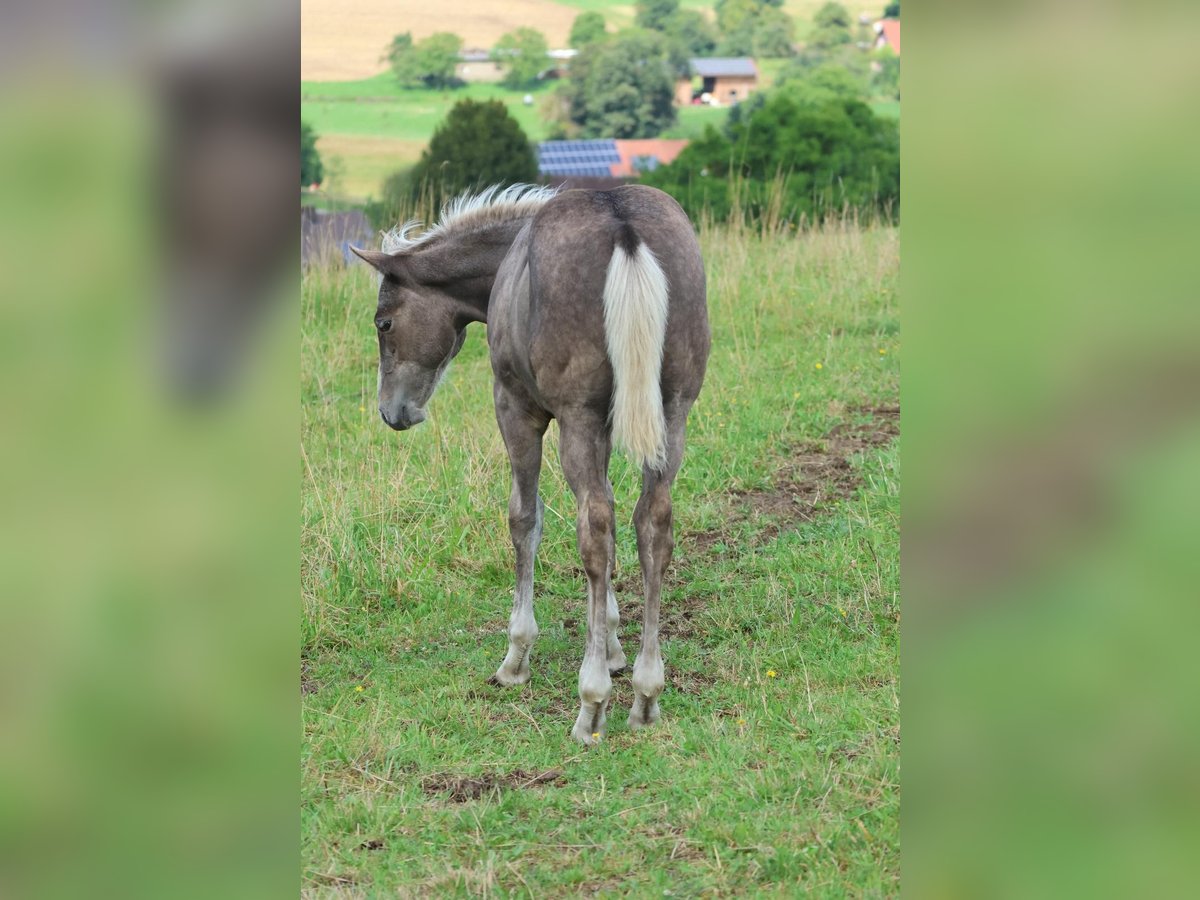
{"x":635,"y":327}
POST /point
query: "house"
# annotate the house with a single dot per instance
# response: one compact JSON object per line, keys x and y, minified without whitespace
{"x":887,"y":34}
{"x":602,"y":163}
{"x":718,"y":80}
{"x":477,"y":65}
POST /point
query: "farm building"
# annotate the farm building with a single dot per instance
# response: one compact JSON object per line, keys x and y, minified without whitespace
{"x":887,"y":34}
{"x":477,"y":65}
{"x":723,"y":81}
{"x":603,"y":162}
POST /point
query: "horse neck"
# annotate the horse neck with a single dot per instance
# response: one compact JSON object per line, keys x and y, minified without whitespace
{"x":465,"y":265}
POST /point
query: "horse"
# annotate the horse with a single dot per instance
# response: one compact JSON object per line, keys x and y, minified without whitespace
{"x":596,"y":314}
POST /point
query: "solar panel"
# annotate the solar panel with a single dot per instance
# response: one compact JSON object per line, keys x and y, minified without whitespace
{"x":582,"y":158}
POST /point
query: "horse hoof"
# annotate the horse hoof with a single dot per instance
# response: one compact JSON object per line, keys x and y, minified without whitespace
{"x":588,"y":739}
{"x":509,"y":679}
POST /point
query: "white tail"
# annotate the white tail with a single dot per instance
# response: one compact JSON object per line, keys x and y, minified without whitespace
{"x":635,"y":326}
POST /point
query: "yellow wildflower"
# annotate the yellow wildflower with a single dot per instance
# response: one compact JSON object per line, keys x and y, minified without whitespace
{"x":358,"y":689}
{"x":819,"y":366}
{"x":882,"y":351}
{"x":771,"y":673}
{"x":595,"y":735}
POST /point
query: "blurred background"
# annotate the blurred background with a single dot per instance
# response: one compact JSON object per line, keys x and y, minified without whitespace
{"x":148,"y":370}
{"x":1051,"y":439}
{"x":148,"y":557}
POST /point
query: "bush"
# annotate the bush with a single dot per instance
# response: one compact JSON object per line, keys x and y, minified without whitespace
{"x":794,"y":156}
{"x":311,"y":170}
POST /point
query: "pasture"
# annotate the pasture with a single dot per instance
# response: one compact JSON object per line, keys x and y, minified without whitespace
{"x":775,"y":768}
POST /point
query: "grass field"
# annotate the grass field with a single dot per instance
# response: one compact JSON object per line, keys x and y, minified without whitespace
{"x":775,"y":768}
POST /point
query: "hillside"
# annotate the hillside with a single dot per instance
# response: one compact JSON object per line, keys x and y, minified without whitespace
{"x":342,"y":40}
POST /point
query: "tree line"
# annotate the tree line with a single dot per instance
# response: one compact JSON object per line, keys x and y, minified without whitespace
{"x":808,"y":147}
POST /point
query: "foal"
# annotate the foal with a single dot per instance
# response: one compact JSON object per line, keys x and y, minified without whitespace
{"x":596,"y":314}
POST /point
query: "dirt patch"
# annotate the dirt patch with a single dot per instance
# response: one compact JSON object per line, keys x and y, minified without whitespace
{"x":814,"y":475}
{"x":690,"y":682}
{"x":461,"y":788}
{"x":307,"y":685}
{"x":681,"y":618}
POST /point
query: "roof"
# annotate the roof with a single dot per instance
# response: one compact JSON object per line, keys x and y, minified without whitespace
{"x":715,"y":67}
{"x":605,"y":158}
{"x":647,"y":155}
{"x":889,"y":29}
{"x":592,"y":158}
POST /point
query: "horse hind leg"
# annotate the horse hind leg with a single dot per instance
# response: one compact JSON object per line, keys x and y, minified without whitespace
{"x":585,"y":448}
{"x":653,"y":520}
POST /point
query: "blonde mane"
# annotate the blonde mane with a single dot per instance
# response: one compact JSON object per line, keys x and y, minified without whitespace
{"x":468,"y":212}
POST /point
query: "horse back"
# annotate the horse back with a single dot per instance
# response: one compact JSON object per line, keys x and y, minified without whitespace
{"x":547,"y":327}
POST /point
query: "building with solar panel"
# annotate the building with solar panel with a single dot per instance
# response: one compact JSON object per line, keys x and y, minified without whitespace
{"x":602,"y":162}
{"x":718,"y":81}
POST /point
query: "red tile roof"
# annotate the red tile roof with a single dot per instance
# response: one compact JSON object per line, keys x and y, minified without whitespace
{"x":663,"y":150}
{"x":890,"y":29}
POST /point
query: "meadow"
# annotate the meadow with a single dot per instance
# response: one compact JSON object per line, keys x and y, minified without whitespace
{"x":775,"y":768}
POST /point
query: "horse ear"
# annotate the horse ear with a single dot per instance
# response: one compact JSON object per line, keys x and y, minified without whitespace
{"x":383,"y":262}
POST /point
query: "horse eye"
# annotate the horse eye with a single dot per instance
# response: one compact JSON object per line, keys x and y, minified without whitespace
{"x":384,"y":324}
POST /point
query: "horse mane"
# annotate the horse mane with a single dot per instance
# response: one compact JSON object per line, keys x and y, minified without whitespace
{"x":471,"y":211}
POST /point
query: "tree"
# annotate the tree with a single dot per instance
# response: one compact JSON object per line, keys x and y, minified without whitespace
{"x":774,"y":33}
{"x":754,"y":27}
{"x":311,"y":170}
{"x":831,"y":27}
{"x":622,"y":88}
{"x":524,"y":51}
{"x":653,"y":14}
{"x":478,"y":144}
{"x":588,"y":28}
{"x":892,"y":10}
{"x":428,"y":63}
{"x":690,"y":28}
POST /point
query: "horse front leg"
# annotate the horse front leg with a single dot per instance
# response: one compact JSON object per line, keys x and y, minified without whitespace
{"x":616,"y":656}
{"x":522,"y":434}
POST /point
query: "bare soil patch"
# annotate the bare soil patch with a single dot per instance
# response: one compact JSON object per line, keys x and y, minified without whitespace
{"x":815,"y":474}
{"x":461,"y":788}
{"x":307,"y":684}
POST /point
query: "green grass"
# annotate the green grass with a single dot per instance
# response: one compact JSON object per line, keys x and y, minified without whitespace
{"x":377,"y":107}
{"x":749,"y":784}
